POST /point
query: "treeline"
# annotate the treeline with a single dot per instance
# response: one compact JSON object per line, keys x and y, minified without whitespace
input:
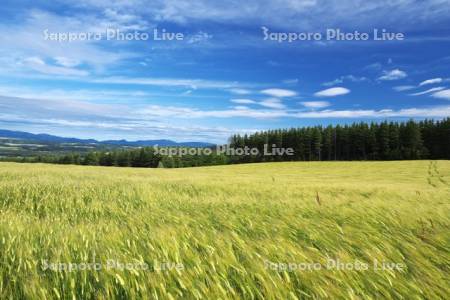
{"x":360,"y":141}
{"x":138,"y":158}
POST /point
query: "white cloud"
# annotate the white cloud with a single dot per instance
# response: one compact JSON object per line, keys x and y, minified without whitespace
{"x":395,"y":74}
{"x":34,"y":61}
{"x":334,"y":82}
{"x":431,"y":81}
{"x":402,"y":88}
{"x":427,"y":112}
{"x":199,"y":37}
{"x":75,"y":95}
{"x":445,"y":94}
{"x":66,"y":62}
{"x":243,"y":101}
{"x":315,"y":104}
{"x":123,"y":21}
{"x":342,"y":79}
{"x":240,"y":107}
{"x":180,"y":112}
{"x":39,"y":65}
{"x":193,"y":113}
{"x":239,"y":91}
{"x":432,"y":90}
{"x":180,"y":82}
{"x":377,"y":66}
{"x":291,"y":81}
{"x":332,"y":92}
{"x":272,"y":103}
{"x":279,"y":93}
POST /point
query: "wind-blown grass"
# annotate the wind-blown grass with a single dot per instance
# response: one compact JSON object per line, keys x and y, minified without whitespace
{"x":231,"y":231}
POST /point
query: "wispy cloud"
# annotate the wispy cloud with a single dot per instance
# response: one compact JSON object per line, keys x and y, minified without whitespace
{"x":39,"y":65}
{"x":96,"y":95}
{"x":199,"y":37}
{"x":114,"y":18}
{"x":279,"y":93}
{"x":332,"y":92}
{"x":342,"y":79}
{"x":82,"y":110}
{"x":272,"y":103}
{"x":174,"y":82}
{"x":66,"y":62}
{"x":429,"y":112}
{"x":431,"y":81}
{"x":243,"y":101}
{"x":291,"y":81}
{"x":315,"y":104}
{"x":429,"y":91}
{"x":445,"y":94}
{"x":239,"y":91}
{"x":395,"y":74}
{"x":402,"y":88}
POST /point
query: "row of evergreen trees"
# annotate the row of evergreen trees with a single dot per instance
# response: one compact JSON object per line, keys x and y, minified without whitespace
{"x":360,"y":141}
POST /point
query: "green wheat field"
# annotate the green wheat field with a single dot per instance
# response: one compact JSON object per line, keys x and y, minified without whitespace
{"x":259,"y":231}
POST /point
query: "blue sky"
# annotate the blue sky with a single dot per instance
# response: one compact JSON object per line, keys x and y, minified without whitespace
{"x":223,"y":76}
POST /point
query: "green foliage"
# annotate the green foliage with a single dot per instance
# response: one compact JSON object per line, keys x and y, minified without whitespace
{"x":360,"y":141}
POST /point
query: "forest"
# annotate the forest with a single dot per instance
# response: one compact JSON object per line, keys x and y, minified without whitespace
{"x":410,"y":140}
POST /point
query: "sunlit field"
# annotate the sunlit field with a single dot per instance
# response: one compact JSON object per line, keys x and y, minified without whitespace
{"x":354,"y":230}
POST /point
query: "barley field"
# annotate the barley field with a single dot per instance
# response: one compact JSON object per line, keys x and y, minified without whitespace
{"x":318,"y":230}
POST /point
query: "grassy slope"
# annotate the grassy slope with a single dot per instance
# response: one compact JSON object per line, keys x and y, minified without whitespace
{"x":224,"y":224}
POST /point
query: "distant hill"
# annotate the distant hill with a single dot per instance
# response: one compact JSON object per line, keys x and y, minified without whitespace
{"x":47,"y":138}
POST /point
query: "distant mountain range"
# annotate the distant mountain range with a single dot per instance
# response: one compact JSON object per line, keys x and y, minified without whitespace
{"x":47,"y":138}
